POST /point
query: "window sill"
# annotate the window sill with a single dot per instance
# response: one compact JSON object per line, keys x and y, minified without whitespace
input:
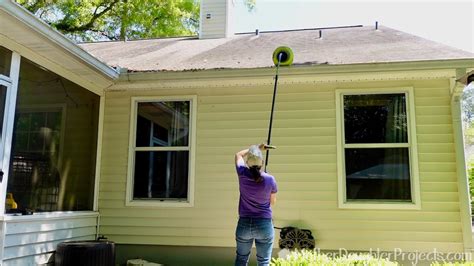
{"x":158,"y":204}
{"x":380,"y":206}
{"x":48,"y":216}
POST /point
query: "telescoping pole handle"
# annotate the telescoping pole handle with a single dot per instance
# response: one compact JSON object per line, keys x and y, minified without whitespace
{"x":271,"y":113}
{"x":281,"y":56}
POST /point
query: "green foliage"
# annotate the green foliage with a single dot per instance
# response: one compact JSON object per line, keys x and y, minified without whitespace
{"x":471,"y":185}
{"x":468,"y":107}
{"x":312,"y":258}
{"x":468,"y":120}
{"x":92,"y":20}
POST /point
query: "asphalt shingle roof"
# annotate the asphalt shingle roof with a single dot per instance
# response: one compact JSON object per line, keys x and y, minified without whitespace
{"x":350,"y":45}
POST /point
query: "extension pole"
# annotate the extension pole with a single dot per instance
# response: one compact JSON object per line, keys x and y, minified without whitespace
{"x":271,"y":113}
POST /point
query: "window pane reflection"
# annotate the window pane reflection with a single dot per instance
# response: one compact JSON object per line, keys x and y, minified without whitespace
{"x":162,"y":124}
{"x":378,"y":173}
{"x":161,"y":175}
{"x":375,"y":118}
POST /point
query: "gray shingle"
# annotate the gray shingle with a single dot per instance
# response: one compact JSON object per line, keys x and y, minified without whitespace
{"x":338,"y":46}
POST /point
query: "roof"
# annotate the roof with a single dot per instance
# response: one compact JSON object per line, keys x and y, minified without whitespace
{"x":24,"y":33}
{"x":338,"y":46}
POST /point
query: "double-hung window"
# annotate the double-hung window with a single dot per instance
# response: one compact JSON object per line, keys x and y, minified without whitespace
{"x":377,"y":161}
{"x":161,"y":152}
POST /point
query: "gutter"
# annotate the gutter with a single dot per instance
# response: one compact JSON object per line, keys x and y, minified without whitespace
{"x":56,"y":37}
{"x":303,"y":69}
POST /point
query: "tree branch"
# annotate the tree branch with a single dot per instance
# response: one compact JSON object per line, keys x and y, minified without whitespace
{"x":67,"y":27}
{"x":33,"y":8}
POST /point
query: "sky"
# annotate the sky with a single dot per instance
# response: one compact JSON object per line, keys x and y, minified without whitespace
{"x":447,"y":22}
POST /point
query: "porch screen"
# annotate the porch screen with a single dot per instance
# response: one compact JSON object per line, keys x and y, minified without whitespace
{"x":376,"y":147}
{"x":5,"y":61}
{"x":54,"y":145}
{"x":162,"y":148}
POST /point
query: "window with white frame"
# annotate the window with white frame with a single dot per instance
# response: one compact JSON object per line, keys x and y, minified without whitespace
{"x":376,"y":147}
{"x":161,"y":150}
{"x":38,"y":132}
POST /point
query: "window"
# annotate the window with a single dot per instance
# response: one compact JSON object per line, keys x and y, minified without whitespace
{"x":377,"y":153}
{"x":39,"y":132}
{"x":161,"y":153}
{"x":54,"y":144}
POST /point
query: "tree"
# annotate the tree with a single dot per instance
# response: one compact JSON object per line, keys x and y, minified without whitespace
{"x":468,"y":106}
{"x":93,"y":20}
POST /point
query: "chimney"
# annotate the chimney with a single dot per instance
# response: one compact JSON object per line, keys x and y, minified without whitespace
{"x":216,"y":19}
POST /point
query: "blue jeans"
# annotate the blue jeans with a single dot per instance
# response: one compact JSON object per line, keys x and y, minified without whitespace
{"x":248,"y":230}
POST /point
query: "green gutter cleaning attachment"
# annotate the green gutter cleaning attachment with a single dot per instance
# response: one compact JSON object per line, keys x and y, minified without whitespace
{"x":282,"y":56}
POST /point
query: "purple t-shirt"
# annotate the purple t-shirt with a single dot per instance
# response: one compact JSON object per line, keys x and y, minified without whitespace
{"x":254,"y":197}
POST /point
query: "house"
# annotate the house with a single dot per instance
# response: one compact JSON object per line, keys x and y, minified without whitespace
{"x":135,"y":140}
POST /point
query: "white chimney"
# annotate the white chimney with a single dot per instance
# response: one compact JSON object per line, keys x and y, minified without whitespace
{"x":216,"y":19}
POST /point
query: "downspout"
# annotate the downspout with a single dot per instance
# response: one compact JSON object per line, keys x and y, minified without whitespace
{"x":461,"y":169}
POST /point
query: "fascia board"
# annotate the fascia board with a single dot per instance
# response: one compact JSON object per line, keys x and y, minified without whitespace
{"x":56,"y":37}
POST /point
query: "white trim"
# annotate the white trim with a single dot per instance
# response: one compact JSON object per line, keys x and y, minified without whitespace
{"x":49,"y":216}
{"x":415,"y":203}
{"x":172,"y":148}
{"x":98,"y":161}
{"x":341,"y":183}
{"x":5,"y":118}
{"x":7,"y":133}
{"x":129,"y":201}
{"x":5,"y":78}
{"x":413,"y":155}
{"x":381,"y":145}
{"x":371,"y":205}
{"x":7,"y":137}
{"x":131,"y":156}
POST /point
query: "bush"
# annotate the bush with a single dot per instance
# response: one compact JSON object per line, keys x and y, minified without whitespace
{"x":471,"y":185}
{"x":312,"y":258}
